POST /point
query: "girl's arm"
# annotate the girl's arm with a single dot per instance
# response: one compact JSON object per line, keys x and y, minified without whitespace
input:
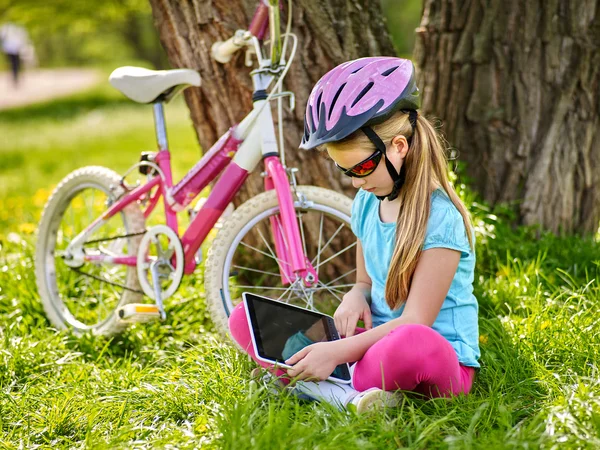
{"x":356,"y":303}
{"x":363,"y":281}
{"x":430,"y":285}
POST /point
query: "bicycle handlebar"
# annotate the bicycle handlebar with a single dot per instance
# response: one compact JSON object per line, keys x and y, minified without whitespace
{"x":266,"y":14}
{"x":222,"y":51}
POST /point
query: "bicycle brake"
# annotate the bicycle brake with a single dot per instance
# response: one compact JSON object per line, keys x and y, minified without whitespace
{"x":144,"y":169}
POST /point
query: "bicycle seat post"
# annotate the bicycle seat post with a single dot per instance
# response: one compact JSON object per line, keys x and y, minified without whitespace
{"x":159,"y":125}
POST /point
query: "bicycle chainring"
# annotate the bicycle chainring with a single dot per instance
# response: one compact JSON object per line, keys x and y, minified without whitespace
{"x":160,"y":246}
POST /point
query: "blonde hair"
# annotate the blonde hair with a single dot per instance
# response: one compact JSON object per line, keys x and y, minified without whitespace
{"x":426,"y":166}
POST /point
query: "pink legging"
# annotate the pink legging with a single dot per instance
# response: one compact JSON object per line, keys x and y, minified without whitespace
{"x":411,"y":357}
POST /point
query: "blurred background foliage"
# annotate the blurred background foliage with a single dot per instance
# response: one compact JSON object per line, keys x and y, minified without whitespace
{"x":117,"y":32}
{"x":88,"y":33}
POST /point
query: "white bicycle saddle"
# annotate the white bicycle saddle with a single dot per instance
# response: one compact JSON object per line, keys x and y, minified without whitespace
{"x":146,"y":86}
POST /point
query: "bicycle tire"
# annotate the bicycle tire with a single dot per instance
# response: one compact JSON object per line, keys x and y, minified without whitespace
{"x":50,"y":231}
{"x":247,"y":216}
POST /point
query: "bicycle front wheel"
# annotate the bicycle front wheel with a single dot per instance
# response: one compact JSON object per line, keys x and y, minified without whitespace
{"x":242,"y":256}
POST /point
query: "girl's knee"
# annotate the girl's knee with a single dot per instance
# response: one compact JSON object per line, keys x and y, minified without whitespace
{"x":400,"y":359}
{"x":415,"y":341}
{"x":238,"y":325}
{"x":237,"y":315}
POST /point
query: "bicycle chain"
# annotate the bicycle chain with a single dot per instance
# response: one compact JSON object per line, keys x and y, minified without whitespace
{"x":139,"y":233}
{"x":103,"y":280}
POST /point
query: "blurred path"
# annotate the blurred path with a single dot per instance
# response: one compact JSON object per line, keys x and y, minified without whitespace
{"x":44,"y":84}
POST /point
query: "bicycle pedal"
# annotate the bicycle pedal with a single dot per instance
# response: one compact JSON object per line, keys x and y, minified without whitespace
{"x":138,"y":312}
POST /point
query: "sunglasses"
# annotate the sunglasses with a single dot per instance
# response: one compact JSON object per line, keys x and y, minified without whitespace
{"x":363,"y":168}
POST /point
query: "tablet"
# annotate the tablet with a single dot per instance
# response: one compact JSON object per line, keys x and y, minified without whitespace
{"x":279,"y":330}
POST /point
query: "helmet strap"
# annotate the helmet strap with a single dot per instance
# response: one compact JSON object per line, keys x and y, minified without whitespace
{"x":397,"y":178}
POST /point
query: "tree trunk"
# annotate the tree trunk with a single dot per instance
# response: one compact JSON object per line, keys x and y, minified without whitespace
{"x":329,"y":32}
{"x":516,"y":85}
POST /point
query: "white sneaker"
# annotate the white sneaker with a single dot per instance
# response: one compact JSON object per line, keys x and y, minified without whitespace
{"x":375,"y":398}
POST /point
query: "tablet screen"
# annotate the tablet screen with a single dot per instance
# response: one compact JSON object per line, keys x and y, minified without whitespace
{"x":280,"y":330}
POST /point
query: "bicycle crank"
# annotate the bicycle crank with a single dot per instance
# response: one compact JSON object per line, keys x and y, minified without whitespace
{"x":160,"y":264}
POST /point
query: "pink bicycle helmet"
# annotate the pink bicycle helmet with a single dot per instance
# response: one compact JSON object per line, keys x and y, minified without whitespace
{"x":358,"y":93}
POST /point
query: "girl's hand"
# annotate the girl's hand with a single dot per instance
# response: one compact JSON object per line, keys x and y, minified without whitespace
{"x":354,"y":307}
{"x":315,"y":362}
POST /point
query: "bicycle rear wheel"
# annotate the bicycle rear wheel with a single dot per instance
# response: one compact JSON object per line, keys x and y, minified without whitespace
{"x":85,"y":295}
{"x":242,"y":256}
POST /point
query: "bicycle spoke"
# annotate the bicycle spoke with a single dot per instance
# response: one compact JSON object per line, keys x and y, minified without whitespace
{"x":278,"y":221}
{"x":330,"y":289}
{"x":273,"y":255}
{"x":263,"y":253}
{"x":261,"y":287}
{"x":309,"y":296}
{"x":115,"y":292}
{"x":302,"y":233}
{"x":331,"y":239}
{"x":331,"y":292}
{"x":319,"y":249}
{"x":327,"y":286}
{"x":289,"y":294}
{"x":341,"y":276}
{"x":108,"y":252}
{"x":256,"y":270}
{"x":338,"y":253}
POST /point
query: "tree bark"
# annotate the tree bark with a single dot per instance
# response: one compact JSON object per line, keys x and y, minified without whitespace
{"x":516,"y":85}
{"x":329,"y":32}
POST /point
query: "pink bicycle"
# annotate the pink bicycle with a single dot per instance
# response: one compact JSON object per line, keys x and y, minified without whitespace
{"x":97,"y":257}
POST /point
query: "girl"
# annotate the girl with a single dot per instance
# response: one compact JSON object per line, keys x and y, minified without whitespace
{"x":415,"y":254}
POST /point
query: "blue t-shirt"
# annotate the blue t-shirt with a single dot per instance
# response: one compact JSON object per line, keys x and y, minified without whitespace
{"x":457,"y":320}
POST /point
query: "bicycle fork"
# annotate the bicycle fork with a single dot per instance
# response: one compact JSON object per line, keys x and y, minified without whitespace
{"x":292,"y":260}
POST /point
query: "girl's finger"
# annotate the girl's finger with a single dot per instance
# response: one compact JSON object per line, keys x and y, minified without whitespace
{"x":342,"y":328}
{"x":297,"y":356}
{"x":338,"y":323}
{"x":351,"y":325}
{"x":368,"y":319}
{"x":295,"y":370}
{"x":297,"y":373}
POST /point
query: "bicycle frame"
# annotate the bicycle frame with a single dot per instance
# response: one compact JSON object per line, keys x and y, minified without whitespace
{"x":236,"y":154}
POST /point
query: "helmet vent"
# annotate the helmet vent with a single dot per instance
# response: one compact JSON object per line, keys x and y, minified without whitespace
{"x":356,"y":70}
{"x":319,"y":105}
{"x":362,"y":93}
{"x":337,"y":94}
{"x":310,"y":117}
{"x":389,"y":71}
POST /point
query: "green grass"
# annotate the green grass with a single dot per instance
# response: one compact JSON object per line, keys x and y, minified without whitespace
{"x":176,"y":385}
